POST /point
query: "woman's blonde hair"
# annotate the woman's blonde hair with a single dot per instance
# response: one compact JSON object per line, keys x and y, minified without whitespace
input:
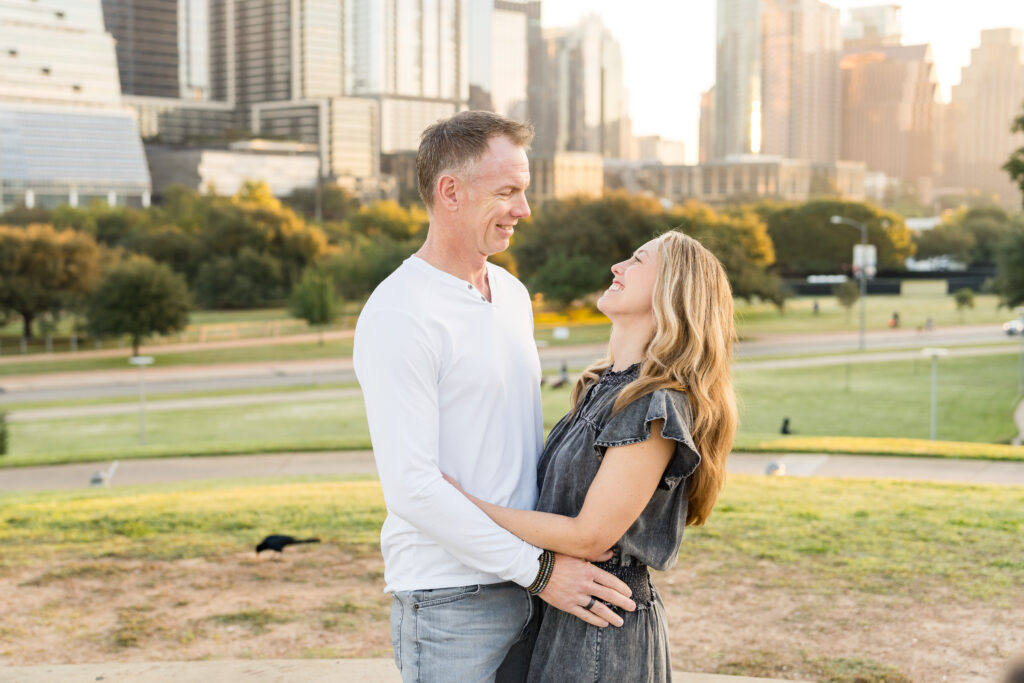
{"x":691,"y":351}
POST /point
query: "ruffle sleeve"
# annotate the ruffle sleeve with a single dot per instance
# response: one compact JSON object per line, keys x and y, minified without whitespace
{"x":632,"y":424}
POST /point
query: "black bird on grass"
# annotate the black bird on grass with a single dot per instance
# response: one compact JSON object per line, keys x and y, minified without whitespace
{"x":279,"y":541}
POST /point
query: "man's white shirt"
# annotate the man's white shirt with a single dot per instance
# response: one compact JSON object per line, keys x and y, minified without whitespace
{"x":451,"y":383}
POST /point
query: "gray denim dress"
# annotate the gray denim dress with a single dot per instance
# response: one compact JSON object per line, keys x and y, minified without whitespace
{"x":566,"y":648}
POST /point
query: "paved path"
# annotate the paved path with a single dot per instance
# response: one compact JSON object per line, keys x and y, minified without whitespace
{"x":268,"y":374}
{"x":259,"y":671}
{"x":348,"y":463}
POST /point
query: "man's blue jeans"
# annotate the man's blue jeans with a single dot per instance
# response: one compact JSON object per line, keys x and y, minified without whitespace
{"x":461,"y":634}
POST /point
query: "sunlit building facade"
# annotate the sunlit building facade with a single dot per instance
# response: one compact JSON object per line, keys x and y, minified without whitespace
{"x":985,"y":103}
{"x":737,"y":107}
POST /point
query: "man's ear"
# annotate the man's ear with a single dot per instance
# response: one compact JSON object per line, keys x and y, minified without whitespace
{"x":446,"y":192}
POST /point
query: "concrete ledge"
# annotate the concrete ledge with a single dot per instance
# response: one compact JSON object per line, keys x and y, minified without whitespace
{"x":261,"y":671}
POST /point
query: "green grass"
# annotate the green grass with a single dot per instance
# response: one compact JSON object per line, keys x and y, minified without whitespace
{"x":886,"y":404}
{"x":977,"y":396}
{"x":877,"y":537}
{"x":920,"y":299}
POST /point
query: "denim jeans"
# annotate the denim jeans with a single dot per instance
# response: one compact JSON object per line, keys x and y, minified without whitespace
{"x":462,"y":634}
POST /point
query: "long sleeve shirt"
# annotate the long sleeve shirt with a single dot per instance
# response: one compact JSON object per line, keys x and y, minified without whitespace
{"x":451,"y":383}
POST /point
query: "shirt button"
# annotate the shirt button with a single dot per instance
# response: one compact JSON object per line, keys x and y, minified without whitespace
{"x":483,"y":298}
{"x":469,"y":286}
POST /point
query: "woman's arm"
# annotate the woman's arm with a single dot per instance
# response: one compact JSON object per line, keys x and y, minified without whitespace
{"x":624,"y":484}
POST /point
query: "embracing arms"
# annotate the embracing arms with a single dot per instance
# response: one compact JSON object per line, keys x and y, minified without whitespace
{"x":624,"y":484}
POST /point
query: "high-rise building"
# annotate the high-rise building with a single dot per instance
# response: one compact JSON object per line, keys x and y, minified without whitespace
{"x":194,"y":49}
{"x":988,"y":99}
{"x":876,"y":26}
{"x":888,"y":120}
{"x":707,"y":125}
{"x":738,"y":53}
{"x":777,"y":79}
{"x":411,"y":56}
{"x":146,"y":34}
{"x":499,"y":46}
{"x":584,"y":108}
{"x":800,"y":94}
{"x":64,"y":137}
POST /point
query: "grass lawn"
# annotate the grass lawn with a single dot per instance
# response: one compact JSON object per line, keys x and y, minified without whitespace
{"x":920,"y":299}
{"x":878,"y":537}
{"x":888,"y":401}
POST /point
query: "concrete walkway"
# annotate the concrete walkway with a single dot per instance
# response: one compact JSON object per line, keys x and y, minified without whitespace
{"x":349,"y":463}
{"x":261,"y":671}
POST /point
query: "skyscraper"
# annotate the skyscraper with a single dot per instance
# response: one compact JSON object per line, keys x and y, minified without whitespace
{"x":777,"y":80}
{"x":499,"y":48}
{"x":876,"y":26}
{"x":584,"y":106}
{"x":413,"y":57}
{"x":888,"y":119}
{"x":737,"y":107}
{"x":800,"y":91}
{"x":146,"y":33}
{"x":987,"y":100}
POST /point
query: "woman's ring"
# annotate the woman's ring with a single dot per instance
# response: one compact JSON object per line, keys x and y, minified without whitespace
{"x":590,"y":604}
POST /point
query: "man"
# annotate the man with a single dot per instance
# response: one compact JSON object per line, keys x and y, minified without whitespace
{"x":445,"y":355}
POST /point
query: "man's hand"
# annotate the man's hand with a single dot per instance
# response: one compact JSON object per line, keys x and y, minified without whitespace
{"x":574,"y":582}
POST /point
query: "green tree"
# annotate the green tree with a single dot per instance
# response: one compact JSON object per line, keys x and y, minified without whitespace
{"x":336,"y":203}
{"x":314,"y":300}
{"x":807,"y":243}
{"x":249,"y":279}
{"x":4,"y":436}
{"x":1014,"y":166}
{"x":1009,"y":280}
{"x":564,"y":280}
{"x":964,"y":298}
{"x":45,"y":270}
{"x":139,"y":298}
{"x":847,"y":294}
{"x":944,"y":239}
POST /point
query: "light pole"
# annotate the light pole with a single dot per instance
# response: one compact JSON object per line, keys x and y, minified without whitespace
{"x":934,"y":354}
{"x":141,"y":362}
{"x":863,"y":276}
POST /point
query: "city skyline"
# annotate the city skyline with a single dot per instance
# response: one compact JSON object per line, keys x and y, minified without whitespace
{"x":687,"y":28}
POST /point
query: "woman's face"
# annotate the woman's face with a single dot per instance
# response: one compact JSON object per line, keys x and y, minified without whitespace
{"x":632,"y":290}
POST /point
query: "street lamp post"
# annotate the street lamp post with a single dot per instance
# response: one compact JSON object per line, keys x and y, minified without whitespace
{"x":863,"y":276}
{"x":935,"y":354}
{"x":141,"y":362}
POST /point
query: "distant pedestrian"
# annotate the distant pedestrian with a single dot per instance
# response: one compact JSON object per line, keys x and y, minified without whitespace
{"x":785,"y":427}
{"x":929,"y":324}
{"x":894,"y":321}
{"x":816,"y":308}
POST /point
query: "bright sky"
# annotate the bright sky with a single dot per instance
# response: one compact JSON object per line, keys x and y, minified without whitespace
{"x":668,"y":48}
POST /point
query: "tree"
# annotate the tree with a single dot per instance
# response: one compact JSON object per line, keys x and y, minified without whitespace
{"x":4,"y":437}
{"x":139,"y":298}
{"x":314,"y":300}
{"x":335,"y":202}
{"x":45,"y":270}
{"x":1009,"y":280}
{"x":847,"y":293}
{"x":1015,"y":164}
{"x":807,"y":243}
{"x":964,"y":299}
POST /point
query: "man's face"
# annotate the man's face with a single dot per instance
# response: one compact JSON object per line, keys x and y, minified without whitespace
{"x":495,"y":196}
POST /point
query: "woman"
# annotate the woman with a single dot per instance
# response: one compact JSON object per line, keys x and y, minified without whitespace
{"x":641,"y":455}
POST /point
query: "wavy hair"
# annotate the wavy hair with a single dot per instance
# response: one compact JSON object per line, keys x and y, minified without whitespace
{"x":691,"y":351}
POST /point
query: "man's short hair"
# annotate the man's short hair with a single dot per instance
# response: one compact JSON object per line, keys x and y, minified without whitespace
{"x":451,"y":143}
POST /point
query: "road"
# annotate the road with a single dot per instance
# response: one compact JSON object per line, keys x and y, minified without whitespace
{"x":273,"y":374}
{"x":349,"y":463}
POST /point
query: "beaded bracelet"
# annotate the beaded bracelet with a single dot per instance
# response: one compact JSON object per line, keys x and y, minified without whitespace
{"x":547,"y":565}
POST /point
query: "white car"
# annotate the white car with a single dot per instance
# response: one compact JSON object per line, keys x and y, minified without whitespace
{"x":1014,"y":327}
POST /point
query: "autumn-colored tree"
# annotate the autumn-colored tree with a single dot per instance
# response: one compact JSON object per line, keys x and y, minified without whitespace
{"x":45,"y":270}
